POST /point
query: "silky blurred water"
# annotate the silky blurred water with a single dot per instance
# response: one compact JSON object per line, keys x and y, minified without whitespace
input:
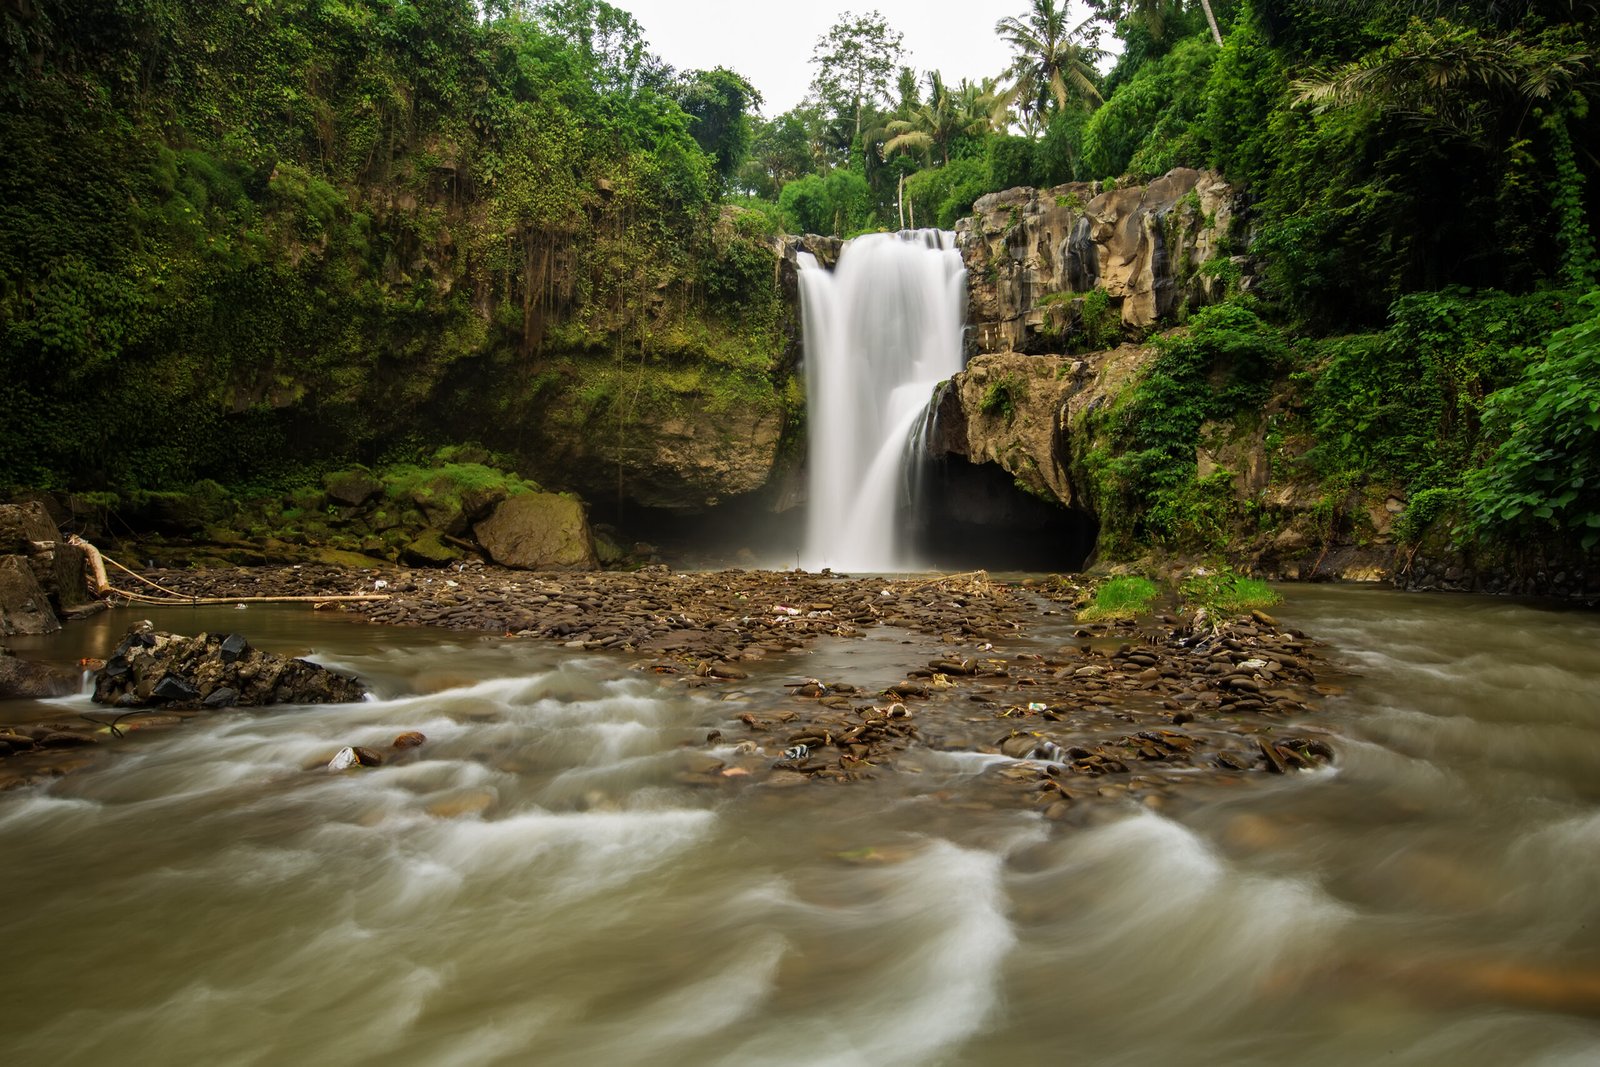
{"x":546,"y":883}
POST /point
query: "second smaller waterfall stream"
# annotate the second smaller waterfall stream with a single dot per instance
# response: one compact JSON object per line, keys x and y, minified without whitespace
{"x":881,"y":331}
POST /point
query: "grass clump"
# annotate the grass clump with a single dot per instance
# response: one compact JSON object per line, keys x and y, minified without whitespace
{"x":1225,"y":592}
{"x":1120,"y":598}
{"x":1001,"y":397}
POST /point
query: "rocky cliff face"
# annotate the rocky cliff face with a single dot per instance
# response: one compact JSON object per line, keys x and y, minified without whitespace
{"x":1034,"y":418}
{"x":1017,"y":412}
{"x":1034,"y":255}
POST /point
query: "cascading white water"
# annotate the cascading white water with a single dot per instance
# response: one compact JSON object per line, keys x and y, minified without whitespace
{"x":881,"y":331}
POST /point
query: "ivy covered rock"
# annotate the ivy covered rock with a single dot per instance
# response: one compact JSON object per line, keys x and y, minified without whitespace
{"x":151,"y":668}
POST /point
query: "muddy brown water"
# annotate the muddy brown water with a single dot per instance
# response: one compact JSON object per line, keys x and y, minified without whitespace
{"x":547,"y":883}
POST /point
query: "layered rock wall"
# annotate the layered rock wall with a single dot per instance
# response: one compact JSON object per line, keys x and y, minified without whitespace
{"x":1155,"y":250}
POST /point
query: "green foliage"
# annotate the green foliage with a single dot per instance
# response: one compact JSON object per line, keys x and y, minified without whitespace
{"x":855,"y":63}
{"x":718,"y":103}
{"x":1120,"y":598}
{"x":838,"y":204}
{"x":1424,"y":509}
{"x":1053,"y":64}
{"x":1146,"y":490}
{"x":1245,"y":85}
{"x":443,"y":483}
{"x":1391,"y":119}
{"x":1404,"y":407}
{"x":1545,"y":475}
{"x":1001,"y":396}
{"x":1011,"y":162}
{"x":944,"y":194}
{"x":1150,"y":124}
{"x":1578,"y":262}
{"x":238,"y":239}
{"x":1222,"y":592}
{"x":1058,"y":154}
{"x":1102,"y":323}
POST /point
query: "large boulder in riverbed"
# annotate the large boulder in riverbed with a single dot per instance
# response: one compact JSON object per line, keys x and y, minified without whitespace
{"x":212,"y":671}
{"x":20,"y":678}
{"x":24,"y":606}
{"x":539,"y":532}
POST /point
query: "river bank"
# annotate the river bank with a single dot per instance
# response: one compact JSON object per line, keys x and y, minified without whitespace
{"x":1060,"y":714}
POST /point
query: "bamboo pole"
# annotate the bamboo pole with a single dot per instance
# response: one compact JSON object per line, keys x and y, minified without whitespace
{"x":103,"y":587}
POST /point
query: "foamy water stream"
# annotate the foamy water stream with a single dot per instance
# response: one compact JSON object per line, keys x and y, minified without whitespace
{"x":545,"y":884}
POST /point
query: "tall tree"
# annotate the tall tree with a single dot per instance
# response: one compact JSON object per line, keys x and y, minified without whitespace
{"x":611,"y":42}
{"x":1053,"y":63}
{"x":719,"y":102}
{"x":856,"y":62}
{"x":1156,"y":15}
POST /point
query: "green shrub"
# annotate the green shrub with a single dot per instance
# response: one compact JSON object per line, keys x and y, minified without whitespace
{"x":1001,"y":396}
{"x":1144,"y":474}
{"x":1120,"y":598}
{"x":1011,"y":162}
{"x":1223,"y":592}
{"x":1545,"y":474}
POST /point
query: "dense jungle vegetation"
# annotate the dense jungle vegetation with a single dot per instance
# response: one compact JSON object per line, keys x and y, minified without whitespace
{"x":240,"y":239}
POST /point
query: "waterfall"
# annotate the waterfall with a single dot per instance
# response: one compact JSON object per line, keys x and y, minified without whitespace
{"x":881,"y":332}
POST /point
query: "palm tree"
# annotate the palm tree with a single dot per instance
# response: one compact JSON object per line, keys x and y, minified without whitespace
{"x":1053,"y":63}
{"x":988,"y":104}
{"x":935,"y":124}
{"x":1457,"y":80}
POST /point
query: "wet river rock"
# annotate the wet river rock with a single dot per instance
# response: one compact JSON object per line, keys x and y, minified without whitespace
{"x":150,"y":668}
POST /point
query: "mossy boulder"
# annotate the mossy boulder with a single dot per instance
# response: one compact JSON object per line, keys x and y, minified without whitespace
{"x":539,"y":531}
{"x":351,"y":488}
{"x":449,"y":497}
{"x":429,"y":549}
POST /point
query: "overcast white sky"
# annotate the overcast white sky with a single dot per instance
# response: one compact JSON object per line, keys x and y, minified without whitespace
{"x":770,"y":43}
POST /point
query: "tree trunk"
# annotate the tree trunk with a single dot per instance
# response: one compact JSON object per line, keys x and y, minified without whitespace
{"x":1216,"y":34}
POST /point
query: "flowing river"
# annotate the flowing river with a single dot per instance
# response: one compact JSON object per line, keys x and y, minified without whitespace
{"x":546,"y":884}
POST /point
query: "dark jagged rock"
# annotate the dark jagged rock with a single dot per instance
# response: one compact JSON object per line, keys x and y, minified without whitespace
{"x":212,"y":671}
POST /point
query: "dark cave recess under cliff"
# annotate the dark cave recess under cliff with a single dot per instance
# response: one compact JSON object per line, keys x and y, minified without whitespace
{"x":959,"y":516}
